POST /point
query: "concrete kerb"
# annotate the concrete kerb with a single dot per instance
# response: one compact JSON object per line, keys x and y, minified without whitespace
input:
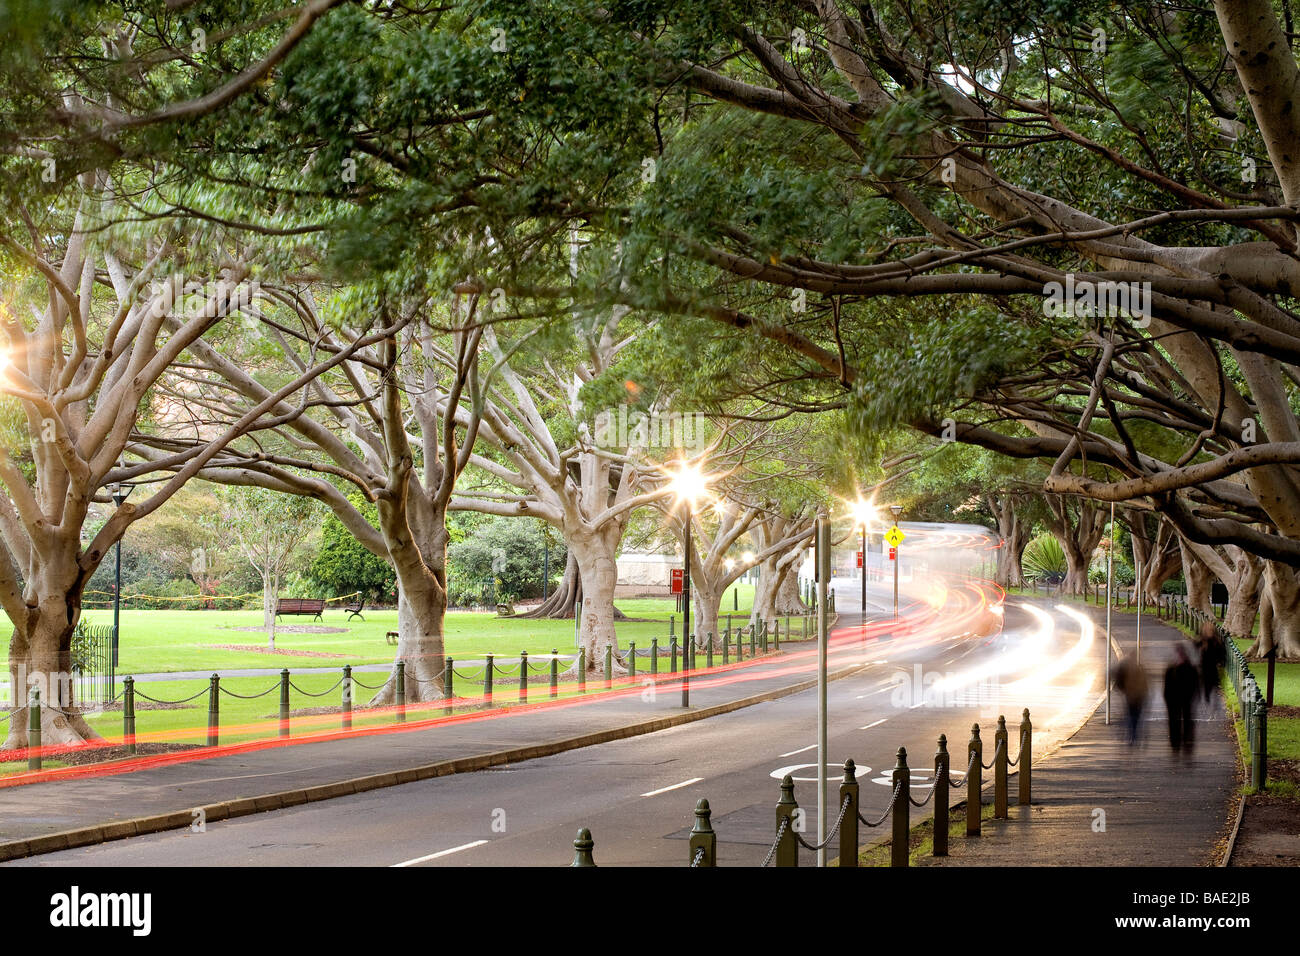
{"x":245,"y":806}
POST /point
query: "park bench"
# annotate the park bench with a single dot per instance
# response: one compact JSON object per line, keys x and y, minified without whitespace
{"x":355,"y":608}
{"x":312,"y":606}
{"x":392,"y":637}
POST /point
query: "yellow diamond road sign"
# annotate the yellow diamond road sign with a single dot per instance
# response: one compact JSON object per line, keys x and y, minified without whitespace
{"x":895,"y":536}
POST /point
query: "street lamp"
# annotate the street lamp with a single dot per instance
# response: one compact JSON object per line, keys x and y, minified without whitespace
{"x":735,"y":589}
{"x":688,"y":485}
{"x":863,"y":514}
{"x":120,"y":490}
{"x":897,"y":510}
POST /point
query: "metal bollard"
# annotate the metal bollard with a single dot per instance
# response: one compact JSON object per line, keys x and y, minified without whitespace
{"x":582,"y":848}
{"x":726,"y":649}
{"x":703,"y":837}
{"x":555,"y":672}
{"x":941,"y":782}
{"x":609,"y":666}
{"x":764,"y":625}
{"x":347,"y":697}
{"x":34,"y":730}
{"x":708,"y":649}
{"x":654,"y":655}
{"x":1000,"y":759}
{"x":128,"y":714}
{"x":487,"y":681}
{"x":214,"y":709}
{"x":849,"y":790}
{"x":787,"y":849}
{"x":899,"y":848}
{"x":448,"y":683}
{"x":1026,"y":758}
{"x":523,"y":677}
{"x":672,"y":655}
{"x":631,"y":660}
{"x":284,"y":702}
{"x":975,"y":750}
{"x":582,"y":670}
{"x":776,"y":633}
{"x":672,"y":623}
{"x":753,"y":639}
{"x":1259,"y":749}
{"x":401,"y":692}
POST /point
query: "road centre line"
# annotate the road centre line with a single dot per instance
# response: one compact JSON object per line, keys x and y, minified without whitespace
{"x":676,"y":786}
{"x":434,"y":856}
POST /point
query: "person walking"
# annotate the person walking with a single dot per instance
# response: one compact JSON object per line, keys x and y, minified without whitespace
{"x":1181,"y":681}
{"x":1213,"y":657}
{"x":1131,"y":681}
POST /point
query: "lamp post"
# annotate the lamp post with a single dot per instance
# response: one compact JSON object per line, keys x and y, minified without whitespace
{"x":120,"y":490}
{"x":863,"y":514}
{"x":688,"y":485}
{"x":897,"y":510}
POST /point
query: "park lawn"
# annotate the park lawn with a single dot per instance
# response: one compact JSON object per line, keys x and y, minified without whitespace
{"x":162,"y":641}
{"x":1286,"y":679}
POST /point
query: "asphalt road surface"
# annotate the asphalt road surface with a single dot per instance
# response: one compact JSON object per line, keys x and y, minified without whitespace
{"x":638,"y":795}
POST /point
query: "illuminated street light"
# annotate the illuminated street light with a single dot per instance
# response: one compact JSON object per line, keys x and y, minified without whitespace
{"x":689,"y":485}
{"x":864,"y":514}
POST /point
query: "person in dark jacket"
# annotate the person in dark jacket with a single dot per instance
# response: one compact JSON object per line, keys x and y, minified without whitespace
{"x":1213,"y":657}
{"x":1181,"y":684}
{"x":1131,"y":681}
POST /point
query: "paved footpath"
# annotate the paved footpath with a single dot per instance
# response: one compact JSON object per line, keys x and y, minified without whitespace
{"x":1099,"y":802}
{"x":238,"y":783}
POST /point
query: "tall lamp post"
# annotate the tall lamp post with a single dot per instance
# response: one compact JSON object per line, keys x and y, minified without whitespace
{"x":120,"y":490}
{"x":897,"y":510}
{"x":688,"y":486}
{"x":863,"y":514}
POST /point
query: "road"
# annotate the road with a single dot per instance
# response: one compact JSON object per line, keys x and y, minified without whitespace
{"x":637,"y":795}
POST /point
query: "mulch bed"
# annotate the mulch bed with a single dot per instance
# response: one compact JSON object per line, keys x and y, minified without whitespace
{"x":292,"y":629}
{"x":278,"y":652}
{"x":1270,"y":829}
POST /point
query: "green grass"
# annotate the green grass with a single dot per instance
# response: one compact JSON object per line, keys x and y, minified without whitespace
{"x":169,"y":641}
{"x":921,"y":836}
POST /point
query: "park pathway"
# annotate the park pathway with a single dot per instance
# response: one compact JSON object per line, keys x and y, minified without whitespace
{"x":1099,"y":802}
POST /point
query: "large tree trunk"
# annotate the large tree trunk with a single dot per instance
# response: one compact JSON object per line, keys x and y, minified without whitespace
{"x":1079,"y":538}
{"x":40,"y":658}
{"x":1243,"y":594}
{"x":706,"y":601}
{"x":598,"y":573}
{"x":1279,"y":614}
{"x":1157,"y":557}
{"x":769,"y":579}
{"x":1014,"y":535}
{"x":1197,"y":577}
{"x":788,"y":600}
{"x":420,"y":615}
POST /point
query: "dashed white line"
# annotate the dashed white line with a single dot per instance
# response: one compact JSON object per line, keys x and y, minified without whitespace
{"x":676,"y":786}
{"x":434,"y":856}
{"x":799,"y":751}
{"x":875,"y":724}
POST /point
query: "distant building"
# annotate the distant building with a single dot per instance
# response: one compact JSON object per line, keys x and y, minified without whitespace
{"x":645,"y":573}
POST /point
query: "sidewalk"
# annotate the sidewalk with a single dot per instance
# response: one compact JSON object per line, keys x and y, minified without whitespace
{"x":1099,"y":802}
{"x":83,"y":810}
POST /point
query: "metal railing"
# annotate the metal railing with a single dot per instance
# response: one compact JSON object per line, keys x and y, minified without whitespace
{"x":790,"y":819}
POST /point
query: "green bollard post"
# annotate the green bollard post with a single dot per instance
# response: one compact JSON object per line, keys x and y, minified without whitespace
{"x":726,"y":648}
{"x":284,"y":702}
{"x":582,"y":848}
{"x":523,"y":677}
{"x":128,"y":714}
{"x":1000,"y":760}
{"x":787,"y":848}
{"x":555,"y":672}
{"x":1026,"y":758}
{"x":582,"y":670}
{"x":672,"y":624}
{"x":34,"y":730}
{"x":941,"y":782}
{"x":401,"y":692}
{"x":708,"y":649}
{"x":487,"y":681}
{"x":347,"y":697}
{"x":703,"y":840}
{"x":448,"y":683}
{"x":1259,"y":750}
{"x":672,"y":655}
{"x":214,"y":709}
{"x":899,"y":850}
{"x":753,"y":639}
{"x":654,"y":655}
{"x":974,"y":779}
{"x":849,"y":790}
{"x":609,"y":666}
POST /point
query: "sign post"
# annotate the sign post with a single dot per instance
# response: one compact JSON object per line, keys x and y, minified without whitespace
{"x":895,"y":538}
{"x":823,"y":563}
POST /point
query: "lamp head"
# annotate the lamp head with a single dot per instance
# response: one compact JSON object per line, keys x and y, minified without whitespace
{"x":897,"y":510}
{"x":689,"y":485}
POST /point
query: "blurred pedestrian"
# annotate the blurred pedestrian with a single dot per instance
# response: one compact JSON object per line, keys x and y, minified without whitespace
{"x":1181,"y":682}
{"x":1131,"y":681}
{"x":1213,"y":657}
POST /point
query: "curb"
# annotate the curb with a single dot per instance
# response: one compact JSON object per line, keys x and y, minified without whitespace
{"x":244,"y":806}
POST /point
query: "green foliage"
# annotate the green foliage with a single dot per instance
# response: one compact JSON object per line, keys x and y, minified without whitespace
{"x":501,"y":562}
{"x":343,"y":565}
{"x":1044,"y":559}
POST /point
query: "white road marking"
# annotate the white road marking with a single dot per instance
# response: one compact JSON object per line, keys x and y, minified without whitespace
{"x":876,"y":724}
{"x":676,"y":786}
{"x":799,"y":751}
{"x":434,"y":856}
